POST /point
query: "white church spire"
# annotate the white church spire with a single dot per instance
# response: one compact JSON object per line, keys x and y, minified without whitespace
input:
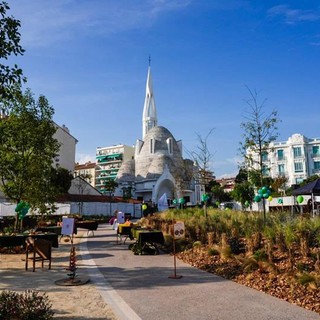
{"x":149,"y":117}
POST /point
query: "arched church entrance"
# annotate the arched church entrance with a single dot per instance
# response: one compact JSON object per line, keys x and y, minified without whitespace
{"x":165,"y":186}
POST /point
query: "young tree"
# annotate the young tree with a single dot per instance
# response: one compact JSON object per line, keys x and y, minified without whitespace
{"x":110,"y":186}
{"x":202,"y":158}
{"x":27,"y":149}
{"x":9,"y":45}
{"x":259,"y":131}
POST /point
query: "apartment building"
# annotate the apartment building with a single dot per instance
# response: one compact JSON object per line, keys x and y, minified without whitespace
{"x":297,"y":159}
{"x":87,"y":171}
{"x":227,"y":184}
{"x":109,"y":161}
{"x":67,"y":151}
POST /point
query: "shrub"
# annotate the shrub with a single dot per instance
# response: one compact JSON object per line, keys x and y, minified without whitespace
{"x":213,"y":252}
{"x":308,"y":279}
{"x":260,"y":255}
{"x":28,"y":305}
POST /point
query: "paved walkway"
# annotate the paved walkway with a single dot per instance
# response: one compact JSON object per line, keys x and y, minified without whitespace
{"x":139,"y":287}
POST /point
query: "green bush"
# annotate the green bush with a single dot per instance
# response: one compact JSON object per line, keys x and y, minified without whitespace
{"x":213,"y":252}
{"x":29,"y":305}
{"x":307,"y":278}
{"x":260,"y":255}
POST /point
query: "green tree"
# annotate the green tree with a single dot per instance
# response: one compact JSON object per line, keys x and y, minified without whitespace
{"x":243,"y":192}
{"x":110,"y":186}
{"x":9,"y":45}
{"x":58,"y":183}
{"x":218,"y":192}
{"x":259,"y":131}
{"x":309,"y":179}
{"x":242,"y":176}
{"x":27,"y":150}
{"x":279,"y":185}
{"x":61,"y":179}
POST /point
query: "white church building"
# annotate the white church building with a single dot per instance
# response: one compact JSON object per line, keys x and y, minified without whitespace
{"x":158,"y":166}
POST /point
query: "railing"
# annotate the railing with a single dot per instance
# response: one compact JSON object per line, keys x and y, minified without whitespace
{"x":315,"y":155}
{"x":301,"y":156}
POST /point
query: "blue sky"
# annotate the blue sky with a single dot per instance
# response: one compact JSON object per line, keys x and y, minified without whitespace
{"x":90,"y":59}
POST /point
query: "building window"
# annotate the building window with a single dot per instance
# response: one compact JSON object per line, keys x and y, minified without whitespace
{"x":316,"y":150}
{"x":298,"y":167}
{"x":297,"y":152}
{"x":169,"y":145}
{"x":280,"y":154}
{"x":264,"y":156}
{"x":281,"y":169}
{"x":151,"y":145}
{"x":265,"y":170}
{"x":317,"y":165}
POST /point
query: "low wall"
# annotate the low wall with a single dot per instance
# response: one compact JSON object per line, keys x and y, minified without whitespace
{"x":85,"y":208}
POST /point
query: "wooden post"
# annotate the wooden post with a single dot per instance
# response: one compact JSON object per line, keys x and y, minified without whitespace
{"x":174,"y":276}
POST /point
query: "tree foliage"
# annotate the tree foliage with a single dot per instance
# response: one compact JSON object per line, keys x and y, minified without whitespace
{"x":259,"y":131}
{"x":218,"y":192}
{"x":110,"y":186}
{"x":27,"y":150}
{"x":9,"y":45}
{"x":278,"y":185}
{"x":242,"y":176}
{"x":58,"y":183}
{"x":243,"y":192}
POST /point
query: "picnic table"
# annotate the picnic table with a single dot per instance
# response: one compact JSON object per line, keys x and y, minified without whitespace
{"x":89,"y":225}
{"x":20,"y":239}
{"x":124,"y":230}
{"x":50,"y":229}
{"x":147,"y":241}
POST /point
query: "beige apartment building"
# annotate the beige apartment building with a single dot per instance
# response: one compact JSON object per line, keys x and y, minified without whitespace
{"x":109,"y":161}
{"x":87,"y":171}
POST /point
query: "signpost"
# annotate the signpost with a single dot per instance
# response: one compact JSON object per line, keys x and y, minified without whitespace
{"x":178,"y":233}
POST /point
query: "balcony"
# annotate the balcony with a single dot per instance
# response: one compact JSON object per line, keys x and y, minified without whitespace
{"x":108,"y":176}
{"x":107,"y":158}
{"x":315,"y":155}
{"x":299,"y":157}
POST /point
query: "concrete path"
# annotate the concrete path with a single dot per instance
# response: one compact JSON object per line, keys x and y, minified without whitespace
{"x":139,"y":287}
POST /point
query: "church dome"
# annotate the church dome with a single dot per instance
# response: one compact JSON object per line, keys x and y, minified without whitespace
{"x":126,"y":172}
{"x":159,"y":149}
